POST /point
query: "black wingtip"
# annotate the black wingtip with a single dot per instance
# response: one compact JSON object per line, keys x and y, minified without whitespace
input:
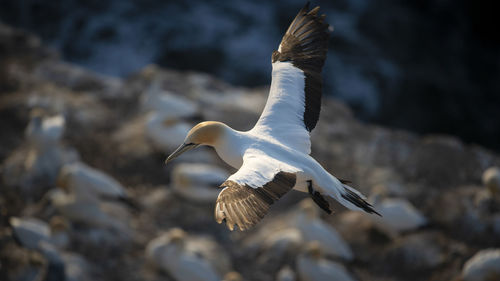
{"x":359,"y":202}
{"x":343,"y":181}
{"x":375,"y":212}
{"x":305,"y":44}
{"x":306,"y":6}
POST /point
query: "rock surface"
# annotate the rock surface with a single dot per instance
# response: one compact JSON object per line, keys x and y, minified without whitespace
{"x":439,"y":175}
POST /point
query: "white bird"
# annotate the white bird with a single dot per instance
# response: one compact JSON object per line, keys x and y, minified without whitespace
{"x":311,"y":266}
{"x":197,"y":182}
{"x":313,"y":228}
{"x":483,"y":266}
{"x":36,"y":165}
{"x":283,"y":236}
{"x":167,"y":104}
{"x":165,"y":132}
{"x":203,"y":247}
{"x":88,"y":184}
{"x":283,"y":241}
{"x":273,"y":157}
{"x":59,"y":235}
{"x":43,"y":131}
{"x":274,"y":246}
{"x":286,"y":274}
{"x":76,"y":267}
{"x":491,"y":179}
{"x":88,"y":212}
{"x":208,"y":249}
{"x":169,"y":253}
{"x":398,"y":215}
{"x":30,"y":231}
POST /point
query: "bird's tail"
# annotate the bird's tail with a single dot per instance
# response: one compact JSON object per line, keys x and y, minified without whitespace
{"x":352,"y":199}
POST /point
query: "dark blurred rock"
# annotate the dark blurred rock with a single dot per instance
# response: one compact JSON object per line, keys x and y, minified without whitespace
{"x":79,"y":79}
{"x":426,"y":66}
{"x":455,"y":163}
{"x":76,"y":268}
{"x":18,"y":263}
{"x":416,"y":253}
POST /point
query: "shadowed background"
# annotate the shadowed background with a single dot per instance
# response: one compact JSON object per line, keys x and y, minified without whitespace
{"x":427,"y":66}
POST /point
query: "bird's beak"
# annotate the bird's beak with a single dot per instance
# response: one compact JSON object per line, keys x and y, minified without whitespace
{"x":181,"y":149}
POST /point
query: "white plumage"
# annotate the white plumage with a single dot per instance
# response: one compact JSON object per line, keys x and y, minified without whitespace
{"x":197,"y":182}
{"x":36,"y":165}
{"x":286,"y":274}
{"x":273,"y":157}
{"x":88,"y":183}
{"x":167,"y":104}
{"x":311,"y":270}
{"x":314,"y":229}
{"x":44,"y":131}
{"x":398,"y":215}
{"x":282,"y":118}
{"x":273,"y":246}
{"x":30,"y":231}
{"x":170,"y":252}
{"x":164,"y":131}
{"x":483,"y":266}
{"x":282,"y":242}
{"x":264,"y":157}
{"x":89,"y":196}
{"x":311,"y":266}
{"x":284,"y":235}
{"x":88,"y":212}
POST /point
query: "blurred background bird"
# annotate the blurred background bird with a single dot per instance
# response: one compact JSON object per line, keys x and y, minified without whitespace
{"x":311,"y":266}
{"x":409,"y":115}
{"x":188,"y":258}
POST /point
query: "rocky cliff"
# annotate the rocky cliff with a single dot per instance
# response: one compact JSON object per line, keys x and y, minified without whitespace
{"x":107,"y":128}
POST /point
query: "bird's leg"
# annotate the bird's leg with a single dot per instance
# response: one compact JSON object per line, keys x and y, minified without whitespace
{"x":310,"y":187}
{"x":318,"y":198}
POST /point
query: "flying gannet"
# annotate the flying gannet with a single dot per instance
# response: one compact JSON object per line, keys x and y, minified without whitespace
{"x":273,"y":157}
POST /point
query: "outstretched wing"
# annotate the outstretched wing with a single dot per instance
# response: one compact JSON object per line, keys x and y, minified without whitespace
{"x":294,"y":102}
{"x":249,"y":192}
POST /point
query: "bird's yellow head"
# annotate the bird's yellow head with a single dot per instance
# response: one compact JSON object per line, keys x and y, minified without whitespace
{"x":313,"y":250}
{"x":177,"y":236}
{"x":307,"y":206}
{"x":233,"y":276}
{"x":63,"y":180}
{"x":204,"y":133}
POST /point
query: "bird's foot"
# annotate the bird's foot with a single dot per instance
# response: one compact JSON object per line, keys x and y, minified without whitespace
{"x":318,"y":198}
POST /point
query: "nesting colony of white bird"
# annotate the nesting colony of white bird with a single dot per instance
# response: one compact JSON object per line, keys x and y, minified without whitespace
{"x":79,"y":200}
{"x":85,"y":194}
